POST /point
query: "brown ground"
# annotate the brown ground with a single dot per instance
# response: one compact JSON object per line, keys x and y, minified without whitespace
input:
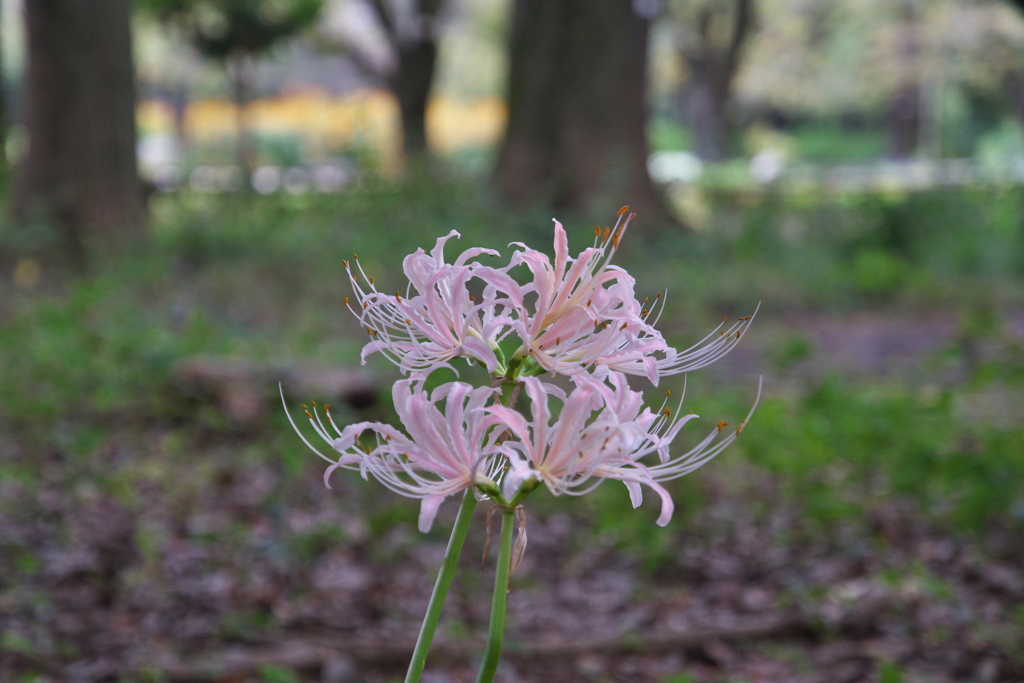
{"x":234,"y":576}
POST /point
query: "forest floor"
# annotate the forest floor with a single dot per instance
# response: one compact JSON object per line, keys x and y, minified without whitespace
{"x":749,"y":591}
{"x":248,"y":569}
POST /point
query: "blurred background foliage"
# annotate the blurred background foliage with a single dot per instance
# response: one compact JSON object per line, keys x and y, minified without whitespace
{"x":856,"y":167}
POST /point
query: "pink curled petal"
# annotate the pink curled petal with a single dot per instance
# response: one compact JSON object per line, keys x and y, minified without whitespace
{"x":428,"y":511}
{"x":510,"y":419}
{"x":481,"y":351}
{"x":371,"y":348}
{"x":327,"y":474}
{"x":561,"y":247}
{"x":651,"y":369}
{"x":636,"y":494}
{"x":667,"y":506}
{"x":554,"y":390}
{"x":438,"y":251}
{"x":473,"y":253}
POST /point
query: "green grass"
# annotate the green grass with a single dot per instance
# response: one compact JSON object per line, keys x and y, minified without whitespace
{"x":830,"y":142}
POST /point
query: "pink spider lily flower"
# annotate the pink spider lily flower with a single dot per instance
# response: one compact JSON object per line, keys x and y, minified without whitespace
{"x":586,"y":315}
{"x":444,"y":453}
{"x":649,"y":356}
{"x":580,"y":307}
{"x":437,"y":319}
{"x":601,"y":433}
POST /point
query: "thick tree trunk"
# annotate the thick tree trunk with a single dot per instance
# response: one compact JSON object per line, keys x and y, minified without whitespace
{"x":4,"y":120}
{"x":903,"y":122}
{"x":1013,"y":92}
{"x":576,"y":135}
{"x":80,"y":170}
{"x":904,"y":115}
{"x":237,"y":65}
{"x":411,"y":84}
{"x":713,"y":68}
{"x":707,"y":109}
{"x":414,"y":41}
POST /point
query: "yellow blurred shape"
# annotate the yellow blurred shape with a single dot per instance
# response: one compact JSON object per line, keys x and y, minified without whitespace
{"x":155,"y":116}
{"x":457,"y":124}
{"x":27,"y":272}
{"x":209,"y":119}
{"x":366,"y":120}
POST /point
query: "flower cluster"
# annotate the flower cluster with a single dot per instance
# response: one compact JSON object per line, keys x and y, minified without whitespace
{"x":573,"y":316}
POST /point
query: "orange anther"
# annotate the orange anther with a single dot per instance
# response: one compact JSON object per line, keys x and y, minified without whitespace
{"x":622,"y":211}
{"x":721,"y":424}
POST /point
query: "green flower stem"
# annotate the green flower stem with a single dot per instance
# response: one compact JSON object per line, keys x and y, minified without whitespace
{"x":493,"y":651}
{"x":444,"y":580}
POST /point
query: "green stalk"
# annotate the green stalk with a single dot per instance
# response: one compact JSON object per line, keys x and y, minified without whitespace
{"x":493,"y":652}
{"x":444,"y":580}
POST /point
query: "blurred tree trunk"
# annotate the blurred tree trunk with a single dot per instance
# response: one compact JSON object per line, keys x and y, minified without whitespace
{"x":904,"y":114}
{"x":1013,"y":84}
{"x":4,"y":117}
{"x":80,"y":169}
{"x":237,"y":64}
{"x":576,"y":135}
{"x":415,"y":49}
{"x":713,"y":57}
{"x":1013,"y":91}
{"x":903,"y":122}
